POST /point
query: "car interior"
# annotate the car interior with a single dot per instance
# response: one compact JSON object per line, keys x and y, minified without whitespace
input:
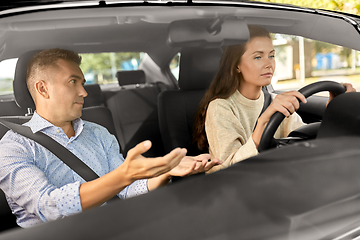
{"x":149,"y":103}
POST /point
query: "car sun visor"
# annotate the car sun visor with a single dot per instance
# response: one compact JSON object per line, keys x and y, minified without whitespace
{"x":207,"y":33}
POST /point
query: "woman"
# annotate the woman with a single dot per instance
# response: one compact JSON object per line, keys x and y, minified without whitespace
{"x":228,"y":122}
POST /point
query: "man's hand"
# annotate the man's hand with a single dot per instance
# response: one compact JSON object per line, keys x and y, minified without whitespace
{"x":187,"y":166}
{"x":139,"y":167}
{"x":194,"y":165}
{"x":135,"y":166}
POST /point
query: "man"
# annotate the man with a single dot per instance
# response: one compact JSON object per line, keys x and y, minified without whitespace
{"x":39,"y":186}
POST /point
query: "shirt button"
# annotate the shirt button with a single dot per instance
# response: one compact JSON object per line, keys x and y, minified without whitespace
{"x":58,"y":131}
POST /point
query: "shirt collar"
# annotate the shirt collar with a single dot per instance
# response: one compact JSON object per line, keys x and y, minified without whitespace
{"x":38,"y":123}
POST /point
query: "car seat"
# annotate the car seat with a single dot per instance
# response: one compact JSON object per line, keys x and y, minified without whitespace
{"x":177,"y":108}
{"x":341,"y":117}
{"x":135,"y":112}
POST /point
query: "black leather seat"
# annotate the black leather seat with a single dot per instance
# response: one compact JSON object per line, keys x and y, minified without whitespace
{"x":95,"y":96}
{"x":177,"y":108}
{"x":341,"y":117}
{"x":128,"y":79}
{"x":135,"y":112}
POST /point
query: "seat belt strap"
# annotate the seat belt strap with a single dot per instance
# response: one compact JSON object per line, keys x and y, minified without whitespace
{"x":267,"y":102}
{"x":56,"y":148}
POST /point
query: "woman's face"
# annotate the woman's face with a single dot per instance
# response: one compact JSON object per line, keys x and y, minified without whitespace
{"x":257,"y":65}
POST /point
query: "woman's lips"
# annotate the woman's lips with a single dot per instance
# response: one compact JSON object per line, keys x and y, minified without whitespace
{"x":267,"y":75}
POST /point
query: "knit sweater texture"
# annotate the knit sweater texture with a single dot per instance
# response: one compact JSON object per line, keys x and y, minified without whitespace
{"x":229,"y":125}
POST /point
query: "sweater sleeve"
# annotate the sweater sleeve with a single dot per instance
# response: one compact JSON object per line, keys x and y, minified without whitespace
{"x":227,"y":138}
{"x":288,"y":125}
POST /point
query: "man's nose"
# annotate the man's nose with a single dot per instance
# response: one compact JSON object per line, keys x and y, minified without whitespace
{"x":83,"y":92}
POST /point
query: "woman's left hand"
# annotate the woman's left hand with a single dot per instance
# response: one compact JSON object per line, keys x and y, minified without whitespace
{"x":349,"y":88}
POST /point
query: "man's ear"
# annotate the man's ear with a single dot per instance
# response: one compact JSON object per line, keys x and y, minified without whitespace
{"x":41,"y":87}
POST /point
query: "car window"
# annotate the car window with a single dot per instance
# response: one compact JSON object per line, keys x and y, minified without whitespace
{"x":101,"y":68}
{"x":7,"y":70}
{"x":301,"y":61}
{"x":174,"y":66}
{"x":98,"y":68}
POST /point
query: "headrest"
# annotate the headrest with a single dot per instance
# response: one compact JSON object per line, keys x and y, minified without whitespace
{"x":130,"y":77}
{"x":198,"y":67}
{"x":21,"y":92}
{"x":95,"y":96}
{"x":341,"y":117}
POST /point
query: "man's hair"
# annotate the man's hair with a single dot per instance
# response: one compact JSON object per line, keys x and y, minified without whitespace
{"x":46,"y":59}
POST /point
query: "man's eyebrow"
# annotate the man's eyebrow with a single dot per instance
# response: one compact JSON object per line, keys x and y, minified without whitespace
{"x":75,"y":76}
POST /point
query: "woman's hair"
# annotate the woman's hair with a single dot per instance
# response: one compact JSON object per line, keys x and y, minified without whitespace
{"x":225,"y":83}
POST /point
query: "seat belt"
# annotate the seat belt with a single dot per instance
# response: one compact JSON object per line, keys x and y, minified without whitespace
{"x":267,"y":102}
{"x":57,"y":149}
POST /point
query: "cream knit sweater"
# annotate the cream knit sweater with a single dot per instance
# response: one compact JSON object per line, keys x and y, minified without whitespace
{"x":229,"y":126}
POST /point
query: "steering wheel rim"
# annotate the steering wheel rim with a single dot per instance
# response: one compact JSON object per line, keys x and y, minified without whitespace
{"x":267,"y":140}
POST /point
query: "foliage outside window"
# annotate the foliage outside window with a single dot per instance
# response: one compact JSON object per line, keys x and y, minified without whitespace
{"x":348,"y":6}
{"x":7,"y":71}
{"x":174,"y":66}
{"x":322,"y":61}
{"x":101,"y":68}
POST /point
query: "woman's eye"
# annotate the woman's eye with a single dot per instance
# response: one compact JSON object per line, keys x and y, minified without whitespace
{"x":258,"y":57}
{"x":73,"y":81}
{"x":272,"y":56}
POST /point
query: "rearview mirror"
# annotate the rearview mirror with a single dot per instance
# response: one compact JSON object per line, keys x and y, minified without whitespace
{"x":207,"y":33}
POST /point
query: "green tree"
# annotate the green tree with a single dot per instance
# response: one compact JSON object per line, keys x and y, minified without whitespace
{"x":98,"y":62}
{"x":102,"y":67}
{"x":348,"y":6}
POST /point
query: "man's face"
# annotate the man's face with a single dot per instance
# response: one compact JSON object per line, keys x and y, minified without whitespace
{"x":66,"y":91}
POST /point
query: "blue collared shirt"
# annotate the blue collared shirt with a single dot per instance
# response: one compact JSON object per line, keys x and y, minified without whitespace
{"x":39,"y":187}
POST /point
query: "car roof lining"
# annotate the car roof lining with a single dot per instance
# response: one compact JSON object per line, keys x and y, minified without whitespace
{"x":103,"y":29}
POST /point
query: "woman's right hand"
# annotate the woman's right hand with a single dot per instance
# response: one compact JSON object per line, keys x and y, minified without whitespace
{"x":286,"y":103}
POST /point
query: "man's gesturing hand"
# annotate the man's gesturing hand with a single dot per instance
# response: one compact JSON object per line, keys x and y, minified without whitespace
{"x":139,"y":167}
{"x":194,"y":165}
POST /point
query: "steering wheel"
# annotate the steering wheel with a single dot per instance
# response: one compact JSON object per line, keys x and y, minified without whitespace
{"x":267,"y":140}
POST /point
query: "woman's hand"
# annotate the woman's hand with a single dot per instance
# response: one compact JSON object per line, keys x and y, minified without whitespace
{"x":349,"y":88}
{"x":286,"y":103}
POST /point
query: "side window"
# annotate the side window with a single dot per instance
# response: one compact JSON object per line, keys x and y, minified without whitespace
{"x":101,"y":68}
{"x":301,"y":61}
{"x":174,"y":66}
{"x":7,"y":71}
